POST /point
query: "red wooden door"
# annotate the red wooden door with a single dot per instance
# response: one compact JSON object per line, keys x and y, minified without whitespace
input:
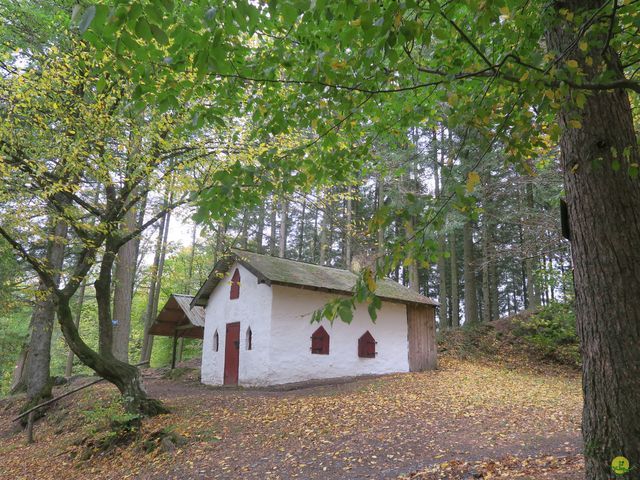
{"x":232,"y":354}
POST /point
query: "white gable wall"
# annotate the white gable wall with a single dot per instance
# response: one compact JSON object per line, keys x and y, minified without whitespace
{"x":290,"y":356}
{"x":251,"y":309}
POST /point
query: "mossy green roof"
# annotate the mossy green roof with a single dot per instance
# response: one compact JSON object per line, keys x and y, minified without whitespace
{"x":282,"y":271}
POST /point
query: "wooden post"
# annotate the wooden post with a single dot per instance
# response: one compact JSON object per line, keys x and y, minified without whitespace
{"x":30,"y":426}
{"x":173,"y":355}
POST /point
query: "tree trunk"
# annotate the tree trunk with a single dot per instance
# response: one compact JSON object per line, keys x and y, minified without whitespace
{"x":37,"y":371}
{"x":260,"y":231}
{"x":301,"y":236}
{"x":603,"y":202}
{"x":282,"y":250}
{"x":523,"y":267}
{"x":18,"y":379}
{"x":414,"y":274}
{"x":244,"y":231}
{"x":445,"y":319}
{"x":455,"y":297}
{"x":154,"y":288}
{"x":470,"y":299}
{"x":348,"y":251}
{"x":124,"y":376}
{"x":316,"y":240}
{"x":486,"y":276}
{"x":123,"y":290}
{"x":69,"y":367}
{"x":272,"y":224}
{"x":494,"y":281}
{"x":324,"y":234}
{"x":379,"y":205}
{"x":531,"y":261}
{"x":192,"y":257}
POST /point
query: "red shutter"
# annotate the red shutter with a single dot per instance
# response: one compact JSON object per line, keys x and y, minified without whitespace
{"x":320,"y":342}
{"x":367,"y":346}
{"x":235,"y":285}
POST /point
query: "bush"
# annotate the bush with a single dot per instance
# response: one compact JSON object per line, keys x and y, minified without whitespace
{"x":552,"y":329}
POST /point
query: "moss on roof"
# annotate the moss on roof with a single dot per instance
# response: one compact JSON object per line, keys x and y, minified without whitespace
{"x":282,"y":271}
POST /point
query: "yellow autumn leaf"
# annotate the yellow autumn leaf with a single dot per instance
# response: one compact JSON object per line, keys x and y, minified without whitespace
{"x":572,"y":64}
{"x":473,"y":179}
{"x":356,"y":22}
{"x":524,"y":77}
{"x":583,"y":46}
{"x":575,"y":124}
{"x":397,"y":21}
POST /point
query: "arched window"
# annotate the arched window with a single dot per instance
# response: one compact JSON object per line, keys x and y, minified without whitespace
{"x":320,"y":342}
{"x":248,"y":339}
{"x":367,"y":346}
{"x":216,"y":341}
{"x":235,"y":285}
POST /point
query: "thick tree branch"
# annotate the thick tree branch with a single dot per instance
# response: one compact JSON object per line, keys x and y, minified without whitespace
{"x":46,"y":276}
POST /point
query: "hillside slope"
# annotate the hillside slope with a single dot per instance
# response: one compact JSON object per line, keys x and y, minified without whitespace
{"x":541,"y":340}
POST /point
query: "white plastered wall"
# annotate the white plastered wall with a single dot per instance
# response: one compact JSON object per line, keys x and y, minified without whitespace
{"x":291,"y":359}
{"x":252,"y":309}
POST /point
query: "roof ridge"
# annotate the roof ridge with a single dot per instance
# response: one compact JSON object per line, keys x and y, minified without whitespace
{"x":330,"y":267}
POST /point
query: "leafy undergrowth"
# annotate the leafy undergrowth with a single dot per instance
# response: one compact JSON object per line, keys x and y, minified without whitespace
{"x":439,"y":424}
{"x":544,"y":340}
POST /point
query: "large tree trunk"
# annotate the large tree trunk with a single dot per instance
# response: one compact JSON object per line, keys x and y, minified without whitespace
{"x":123,"y":290}
{"x":124,"y":376}
{"x":604,"y":217}
{"x":470,"y":298}
{"x":37,"y":371}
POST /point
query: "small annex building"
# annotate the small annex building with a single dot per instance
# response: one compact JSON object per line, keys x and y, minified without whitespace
{"x":257,"y":328}
{"x":178,"y":319}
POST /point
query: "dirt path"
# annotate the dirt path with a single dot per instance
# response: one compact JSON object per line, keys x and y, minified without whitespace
{"x":449,"y":421}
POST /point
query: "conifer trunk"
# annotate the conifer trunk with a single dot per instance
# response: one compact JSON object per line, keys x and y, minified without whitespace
{"x":470,"y":298}
{"x":455,"y":297}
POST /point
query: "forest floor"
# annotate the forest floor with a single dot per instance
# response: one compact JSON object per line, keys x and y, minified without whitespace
{"x":466,"y":420}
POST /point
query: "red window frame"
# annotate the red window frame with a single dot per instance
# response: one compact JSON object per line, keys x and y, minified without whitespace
{"x":320,"y":342}
{"x":235,"y":286}
{"x":367,"y":345}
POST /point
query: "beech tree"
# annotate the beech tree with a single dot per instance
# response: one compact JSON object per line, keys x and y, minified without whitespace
{"x":61,"y":141}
